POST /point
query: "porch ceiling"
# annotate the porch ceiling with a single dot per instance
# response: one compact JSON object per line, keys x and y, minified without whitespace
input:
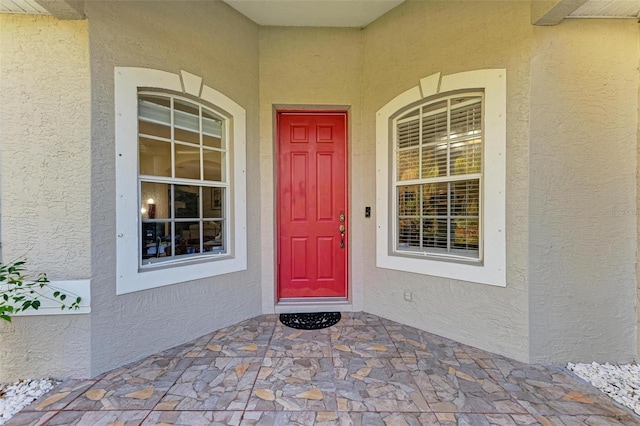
{"x":608,"y":9}
{"x":314,"y":13}
{"x":22,"y":6}
{"x":337,"y":13}
{"x":552,"y":12}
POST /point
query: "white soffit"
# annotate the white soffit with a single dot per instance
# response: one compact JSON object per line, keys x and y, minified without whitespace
{"x":314,"y":13}
{"x":22,"y":6}
{"x":608,"y":9}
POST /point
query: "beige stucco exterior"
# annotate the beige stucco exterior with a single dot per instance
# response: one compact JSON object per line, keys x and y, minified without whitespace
{"x":45,"y":148}
{"x":572,"y":138}
{"x":218,"y":44}
{"x":46,"y":144}
{"x":638,"y":216}
{"x":318,"y":69}
{"x":399,"y":50}
{"x":583,"y":189}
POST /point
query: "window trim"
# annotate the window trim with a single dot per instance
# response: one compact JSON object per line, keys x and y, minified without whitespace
{"x":129,"y":277}
{"x":492,"y":270}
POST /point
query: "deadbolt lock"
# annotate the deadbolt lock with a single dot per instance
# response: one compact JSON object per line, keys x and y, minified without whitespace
{"x":341,"y":217}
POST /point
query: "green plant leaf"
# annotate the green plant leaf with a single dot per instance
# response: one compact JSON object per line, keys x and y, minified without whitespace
{"x":18,"y":293}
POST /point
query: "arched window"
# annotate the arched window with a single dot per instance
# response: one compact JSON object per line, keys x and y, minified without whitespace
{"x":441,"y":178}
{"x":438,"y":178}
{"x":180,"y":160}
{"x":182,"y":176}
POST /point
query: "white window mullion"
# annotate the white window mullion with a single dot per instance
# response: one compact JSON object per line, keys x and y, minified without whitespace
{"x":172,"y":215}
{"x":449,"y":217}
{"x":393,"y":226}
{"x":153,"y":137}
{"x":173,"y":143}
{"x":421,"y":216}
{"x":180,"y":181}
{"x":481,"y":218}
{"x":448,"y":237}
{"x":225,"y":146}
{"x":201,"y":137}
{"x":453,"y":178}
{"x":200,"y":216}
{"x":140,"y":223}
{"x":448,"y":137}
{"x":420,"y":194}
{"x":420,"y":147}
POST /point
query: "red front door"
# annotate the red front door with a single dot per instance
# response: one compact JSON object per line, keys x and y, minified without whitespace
{"x":312,"y":204}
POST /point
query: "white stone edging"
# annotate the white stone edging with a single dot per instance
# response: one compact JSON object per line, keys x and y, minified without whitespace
{"x":619,"y":382}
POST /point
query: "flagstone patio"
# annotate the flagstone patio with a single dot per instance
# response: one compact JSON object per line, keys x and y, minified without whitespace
{"x":365,"y":370}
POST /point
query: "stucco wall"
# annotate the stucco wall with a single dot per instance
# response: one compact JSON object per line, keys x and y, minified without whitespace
{"x":213,"y":41}
{"x":318,"y":68}
{"x":572,"y":119}
{"x":415,"y":40}
{"x":584,"y":119}
{"x":46,"y":199}
{"x":637,"y":212}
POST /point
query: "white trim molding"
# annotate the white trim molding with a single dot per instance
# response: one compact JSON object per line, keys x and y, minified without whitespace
{"x":492,"y":269}
{"x":73,"y":289}
{"x":128,"y":81}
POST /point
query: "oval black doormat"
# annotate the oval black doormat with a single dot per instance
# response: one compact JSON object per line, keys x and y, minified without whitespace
{"x":310,"y":321}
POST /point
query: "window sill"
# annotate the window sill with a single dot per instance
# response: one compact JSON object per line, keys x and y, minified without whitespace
{"x":444,"y":256}
{"x":195,"y":258}
{"x":476,"y":272}
{"x":130,"y":279}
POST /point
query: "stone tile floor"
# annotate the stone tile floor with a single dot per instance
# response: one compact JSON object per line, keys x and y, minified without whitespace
{"x":363,"y":371}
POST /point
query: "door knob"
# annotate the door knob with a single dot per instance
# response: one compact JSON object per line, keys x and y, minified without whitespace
{"x":342,"y":228}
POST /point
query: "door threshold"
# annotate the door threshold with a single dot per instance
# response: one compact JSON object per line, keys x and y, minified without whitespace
{"x":320,"y":304}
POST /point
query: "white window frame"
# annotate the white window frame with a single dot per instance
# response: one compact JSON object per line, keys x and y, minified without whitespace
{"x":177,"y":181}
{"x":449,"y":176}
{"x":492,"y":269}
{"x":130,"y":277}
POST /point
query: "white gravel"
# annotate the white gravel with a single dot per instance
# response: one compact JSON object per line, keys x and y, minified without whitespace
{"x":16,"y":396}
{"x":620,"y":382}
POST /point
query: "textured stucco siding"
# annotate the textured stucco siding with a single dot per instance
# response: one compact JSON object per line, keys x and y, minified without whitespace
{"x":45,"y":186}
{"x":415,"y":40}
{"x":316,"y":68}
{"x":213,"y":41}
{"x":572,"y":152}
{"x":584,"y":120}
{"x":638,"y":208}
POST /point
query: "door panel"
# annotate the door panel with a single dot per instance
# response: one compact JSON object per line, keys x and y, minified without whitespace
{"x":312,"y":198}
